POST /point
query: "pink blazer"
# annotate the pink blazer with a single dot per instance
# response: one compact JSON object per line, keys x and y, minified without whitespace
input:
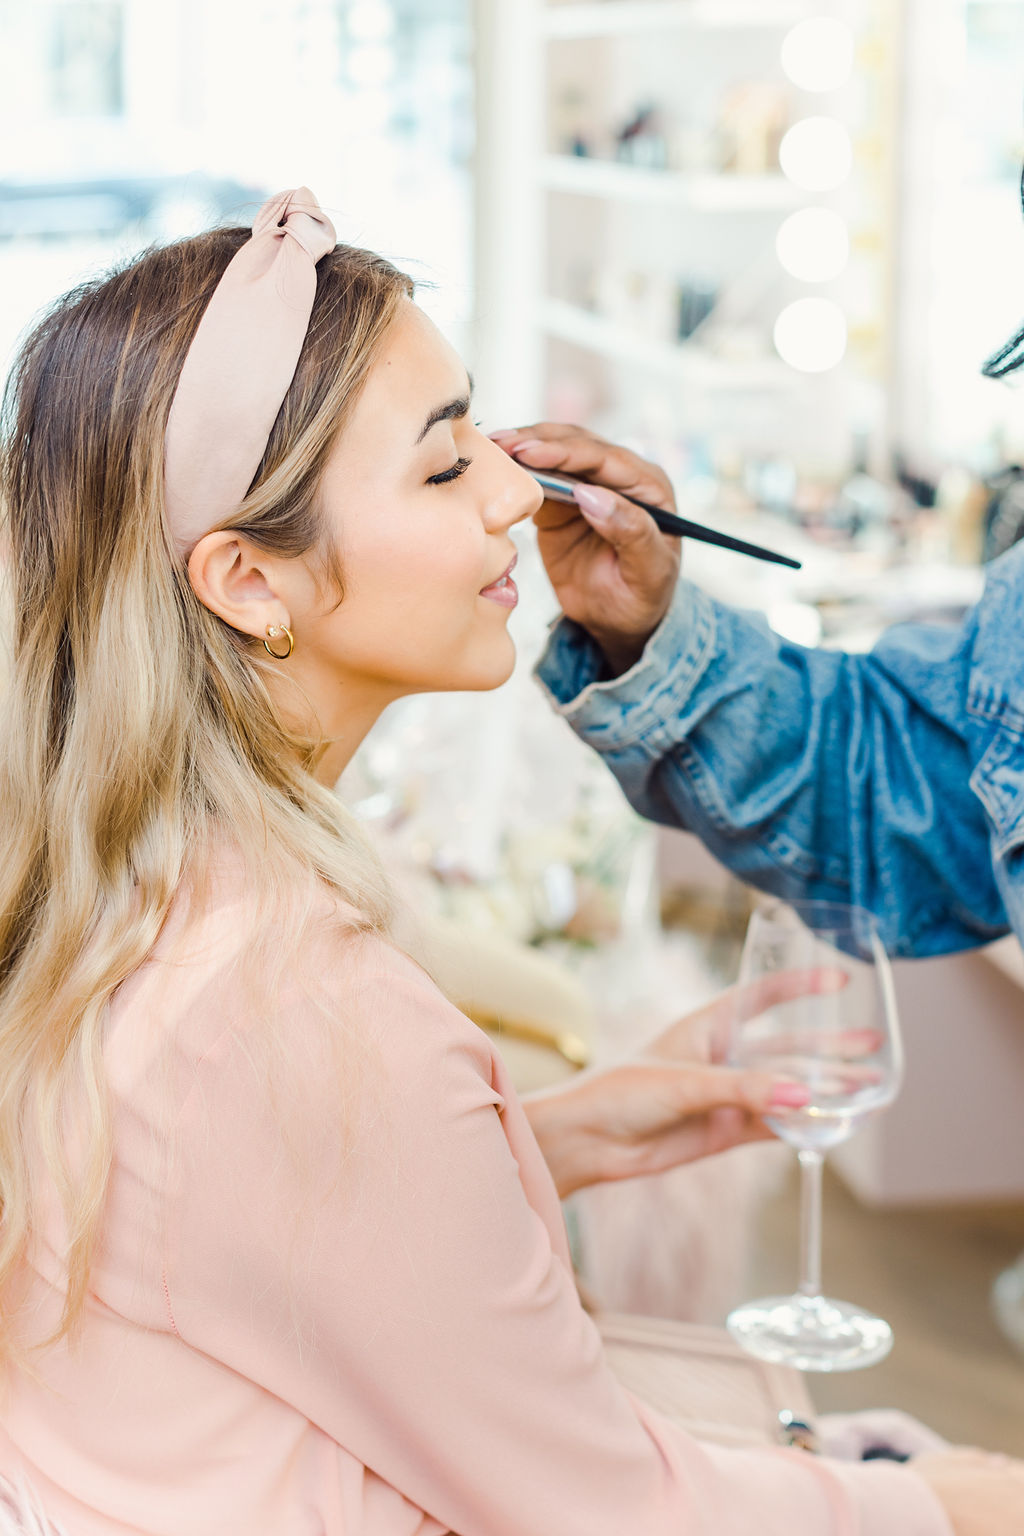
{"x":342,"y":1305}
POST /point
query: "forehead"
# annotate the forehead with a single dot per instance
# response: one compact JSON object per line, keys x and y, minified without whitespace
{"x":415,"y":371}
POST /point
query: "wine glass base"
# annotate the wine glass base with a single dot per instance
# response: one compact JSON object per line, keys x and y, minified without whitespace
{"x":811,"y":1333}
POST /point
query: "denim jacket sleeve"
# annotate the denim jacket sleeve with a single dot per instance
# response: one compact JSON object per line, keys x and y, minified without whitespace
{"x":894,"y":779}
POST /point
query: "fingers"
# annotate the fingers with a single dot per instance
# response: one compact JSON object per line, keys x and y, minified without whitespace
{"x":847,"y":1045}
{"x":698,"y":1090}
{"x":639,"y":561}
{"x":612,"y":568}
{"x":632,"y":532}
{"x":644,"y":1117}
{"x":550,"y":431}
{"x":697,"y":1137}
{"x":827,"y":1080}
{"x":822,"y":1040}
{"x":785,"y":986}
{"x":555,"y":445}
{"x":705,"y":1032}
{"x":730,"y":1127}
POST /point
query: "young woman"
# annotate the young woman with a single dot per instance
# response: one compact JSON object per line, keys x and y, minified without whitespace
{"x":279,"y":1251}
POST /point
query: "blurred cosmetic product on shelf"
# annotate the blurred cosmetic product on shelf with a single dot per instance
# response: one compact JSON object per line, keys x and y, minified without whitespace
{"x":572,"y":122}
{"x":696,"y":303}
{"x":1003,"y":521}
{"x":648,"y":306}
{"x":694,"y":146}
{"x":641,"y":141}
{"x":772,"y":484}
{"x":962,"y":500}
{"x":863,"y":512}
{"x":741,"y":136}
{"x":654,"y":305}
{"x":752,"y":119}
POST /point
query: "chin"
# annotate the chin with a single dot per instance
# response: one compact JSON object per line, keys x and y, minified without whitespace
{"x":494,"y":681}
{"x":472,"y":669}
{"x":492,"y":667}
{"x":481,"y":681}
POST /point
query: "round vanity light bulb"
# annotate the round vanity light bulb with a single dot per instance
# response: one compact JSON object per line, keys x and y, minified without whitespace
{"x":816,"y":154}
{"x":810,"y":335}
{"x":813,"y":245}
{"x":818,"y":53}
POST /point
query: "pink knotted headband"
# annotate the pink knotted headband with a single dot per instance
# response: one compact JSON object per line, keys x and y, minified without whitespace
{"x":242,"y":359}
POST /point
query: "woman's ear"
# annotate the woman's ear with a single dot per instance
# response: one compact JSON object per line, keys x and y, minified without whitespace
{"x":237,"y":582}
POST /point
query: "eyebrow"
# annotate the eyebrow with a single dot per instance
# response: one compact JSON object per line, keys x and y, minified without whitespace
{"x":450,"y":412}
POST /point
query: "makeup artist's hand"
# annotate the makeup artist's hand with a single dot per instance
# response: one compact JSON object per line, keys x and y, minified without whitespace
{"x":614,"y":572}
{"x":675,"y":1102}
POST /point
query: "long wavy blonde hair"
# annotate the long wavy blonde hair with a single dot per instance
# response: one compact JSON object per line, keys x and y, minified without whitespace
{"x":133,"y":720}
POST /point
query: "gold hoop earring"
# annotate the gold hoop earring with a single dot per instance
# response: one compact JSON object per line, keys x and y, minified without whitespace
{"x":273,"y":630}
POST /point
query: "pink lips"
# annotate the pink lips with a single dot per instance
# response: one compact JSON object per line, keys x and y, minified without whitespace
{"x":504,"y":590}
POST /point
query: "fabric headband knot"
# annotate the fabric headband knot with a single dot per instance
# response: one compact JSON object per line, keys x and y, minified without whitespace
{"x":240,"y":364}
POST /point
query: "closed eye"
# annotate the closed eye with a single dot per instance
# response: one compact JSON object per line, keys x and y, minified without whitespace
{"x":458,"y":468}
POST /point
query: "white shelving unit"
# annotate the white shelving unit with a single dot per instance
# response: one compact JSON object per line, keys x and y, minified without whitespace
{"x":693,"y":365}
{"x":624,"y":192}
{"x":709,"y":193}
{"x":558,"y":230}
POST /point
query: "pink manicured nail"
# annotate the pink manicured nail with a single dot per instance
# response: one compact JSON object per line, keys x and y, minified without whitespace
{"x":496,"y":437}
{"x":790,"y":1096}
{"x":530,"y":443}
{"x":595,"y":500}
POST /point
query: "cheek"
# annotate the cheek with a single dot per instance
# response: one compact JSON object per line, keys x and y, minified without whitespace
{"x":428,"y":564}
{"x":413,"y":590}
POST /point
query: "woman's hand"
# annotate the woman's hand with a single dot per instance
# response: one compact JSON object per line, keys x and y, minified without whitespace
{"x":982,"y":1494}
{"x":612,"y":569}
{"x":674,"y":1103}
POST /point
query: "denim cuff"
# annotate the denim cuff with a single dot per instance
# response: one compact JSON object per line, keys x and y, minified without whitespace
{"x":635,"y":708}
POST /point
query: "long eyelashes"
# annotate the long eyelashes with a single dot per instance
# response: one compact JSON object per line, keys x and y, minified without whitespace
{"x":458,"y":468}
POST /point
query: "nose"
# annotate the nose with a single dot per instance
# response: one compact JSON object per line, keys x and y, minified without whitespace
{"x":513,"y":494}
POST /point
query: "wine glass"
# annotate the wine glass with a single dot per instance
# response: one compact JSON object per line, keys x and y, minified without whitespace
{"x":816,"y":1005}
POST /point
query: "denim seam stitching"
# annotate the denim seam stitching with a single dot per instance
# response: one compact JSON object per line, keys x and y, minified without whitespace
{"x":677,"y":681}
{"x":679,"y":684}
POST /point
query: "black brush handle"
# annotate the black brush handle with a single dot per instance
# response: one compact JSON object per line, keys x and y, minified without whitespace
{"x":559,"y":488}
{"x":668,"y":522}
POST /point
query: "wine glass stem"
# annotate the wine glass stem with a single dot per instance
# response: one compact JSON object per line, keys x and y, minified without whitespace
{"x":811,"y":1165}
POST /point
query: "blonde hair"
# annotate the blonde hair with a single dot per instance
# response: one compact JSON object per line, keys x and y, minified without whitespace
{"x":134,"y":721}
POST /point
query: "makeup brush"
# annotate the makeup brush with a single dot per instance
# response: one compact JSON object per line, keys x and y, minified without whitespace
{"x":559,"y":488}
